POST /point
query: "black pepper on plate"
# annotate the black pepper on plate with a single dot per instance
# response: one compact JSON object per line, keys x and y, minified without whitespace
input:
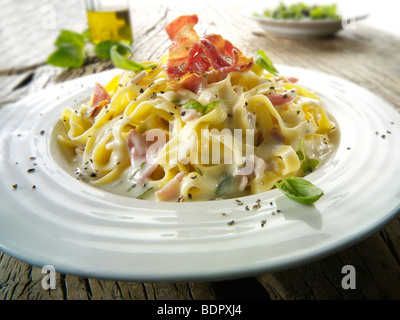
{"x":239,"y":203}
{"x":263,"y":222}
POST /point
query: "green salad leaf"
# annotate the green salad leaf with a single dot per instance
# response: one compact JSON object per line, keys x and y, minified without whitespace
{"x":300,"y":11}
{"x":300,"y":190}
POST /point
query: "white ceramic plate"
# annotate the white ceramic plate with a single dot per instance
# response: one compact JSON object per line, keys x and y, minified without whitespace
{"x":301,"y":29}
{"x":84,"y":231}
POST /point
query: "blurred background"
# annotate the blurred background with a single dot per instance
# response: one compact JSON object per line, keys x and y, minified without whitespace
{"x":28,"y":28}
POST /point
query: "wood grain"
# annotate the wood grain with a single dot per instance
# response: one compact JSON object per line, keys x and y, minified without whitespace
{"x":365,"y":56}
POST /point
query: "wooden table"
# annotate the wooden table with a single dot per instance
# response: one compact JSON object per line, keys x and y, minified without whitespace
{"x":365,"y":56}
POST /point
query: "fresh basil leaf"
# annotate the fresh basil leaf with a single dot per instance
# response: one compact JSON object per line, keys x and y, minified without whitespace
{"x":103,"y":49}
{"x":300,"y":154}
{"x":66,"y":56}
{"x":208,"y":107}
{"x":300,"y":190}
{"x":224,"y":185}
{"x":123,"y":63}
{"x":309,"y":165}
{"x":193,"y":104}
{"x":70,"y":38}
{"x":265,"y":62}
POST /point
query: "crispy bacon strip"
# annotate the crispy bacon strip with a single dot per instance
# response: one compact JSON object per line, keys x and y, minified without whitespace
{"x":193,"y":63}
{"x":181,"y":33}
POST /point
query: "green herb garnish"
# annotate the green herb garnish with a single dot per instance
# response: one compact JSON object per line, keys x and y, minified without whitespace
{"x":224,"y":185}
{"x":144,"y":193}
{"x":300,"y":190}
{"x":263,"y":61}
{"x":199,"y":171}
{"x":193,"y":104}
{"x":308,"y":164}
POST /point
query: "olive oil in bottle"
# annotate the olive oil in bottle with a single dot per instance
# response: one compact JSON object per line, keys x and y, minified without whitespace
{"x":110,"y":25}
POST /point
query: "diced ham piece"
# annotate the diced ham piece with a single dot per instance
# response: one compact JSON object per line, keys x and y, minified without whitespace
{"x":143,"y":153}
{"x":276,"y":134}
{"x":193,"y":63}
{"x":243,"y":182}
{"x":259,"y":166}
{"x":172,"y":190}
{"x":292,"y":79}
{"x":282,"y":98}
{"x":255,"y":167}
{"x":189,"y":114}
{"x":100,"y":99}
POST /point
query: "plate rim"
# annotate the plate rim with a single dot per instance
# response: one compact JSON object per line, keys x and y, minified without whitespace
{"x":305,"y":258}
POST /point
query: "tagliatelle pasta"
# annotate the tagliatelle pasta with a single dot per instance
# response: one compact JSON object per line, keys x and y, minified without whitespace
{"x":148,"y":135}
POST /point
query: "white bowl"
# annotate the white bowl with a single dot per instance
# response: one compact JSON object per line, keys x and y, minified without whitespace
{"x":300,"y":29}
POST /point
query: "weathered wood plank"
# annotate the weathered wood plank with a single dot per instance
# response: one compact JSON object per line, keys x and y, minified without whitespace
{"x":377,"y":274}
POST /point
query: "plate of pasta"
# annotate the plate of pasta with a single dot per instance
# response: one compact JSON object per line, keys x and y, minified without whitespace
{"x":205,"y":164}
